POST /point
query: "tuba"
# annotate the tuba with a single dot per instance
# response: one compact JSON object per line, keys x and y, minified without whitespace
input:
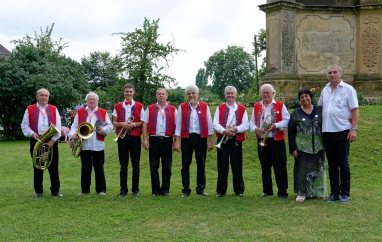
{"x":84,"y":131}
{"x":265,"y":127}
{"x":43,"y":154}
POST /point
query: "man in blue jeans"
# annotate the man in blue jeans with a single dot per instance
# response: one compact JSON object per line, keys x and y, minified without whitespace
{"x":340,"y":103}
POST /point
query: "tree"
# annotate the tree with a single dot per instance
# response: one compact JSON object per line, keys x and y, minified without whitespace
{"x":201,"y":79}
{"x":230,"y":67}
{"x":258,"y":48}
{"x":146,"y":61}
{"x":37,"y":62}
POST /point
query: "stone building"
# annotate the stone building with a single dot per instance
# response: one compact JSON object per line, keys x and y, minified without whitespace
{"x":4,"y":52}
{"x":305,"y":36}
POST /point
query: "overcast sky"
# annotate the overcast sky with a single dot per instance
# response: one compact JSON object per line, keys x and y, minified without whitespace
{"x":201,"y":27}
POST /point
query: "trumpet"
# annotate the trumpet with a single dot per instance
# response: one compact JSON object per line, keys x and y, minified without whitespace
{"x":265,"y":126}
{"x":225,"y":137}
{"x":123,"y":131}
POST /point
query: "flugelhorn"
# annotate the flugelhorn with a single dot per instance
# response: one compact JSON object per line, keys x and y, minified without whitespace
{"x":43,"y":154}
{"x":265,"y":126}
{"x":123,"y":131}
{"x":84,"y":131}
{"x":225,"y":137}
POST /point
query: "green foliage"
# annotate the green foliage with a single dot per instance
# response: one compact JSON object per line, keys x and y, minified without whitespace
{"x":363,"y":101}
{"x":230,"y":67}
{"x":196,"y":218}
{"x":258,"y":47}
{"x":201,"y":79}
{"x":146,"y":60}
{"x":176,"y":96}
{"x":37,"y":62}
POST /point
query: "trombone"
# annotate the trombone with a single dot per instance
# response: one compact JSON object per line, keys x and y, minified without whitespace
{"x":265,"y":126}
{"x":225,"y":137}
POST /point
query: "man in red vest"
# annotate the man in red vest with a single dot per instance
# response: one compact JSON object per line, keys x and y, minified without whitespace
{"x":230,"y":124}
{"x":158,"y":130}
{"x":127,"y":120}
{"x":92,"y":153}
{"x":37,"y":119}
{"x":194,"y":126}
{"x":271,"y":115}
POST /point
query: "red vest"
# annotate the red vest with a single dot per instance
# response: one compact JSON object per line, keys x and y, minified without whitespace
{"x":34,"y":113}
{"x":223,"y":116}
{"x":136,"y":112}
{"x":170,"y":119}
{"x":100,"y":114}
{"x":201,"y":110}
{"x":277,"y":111}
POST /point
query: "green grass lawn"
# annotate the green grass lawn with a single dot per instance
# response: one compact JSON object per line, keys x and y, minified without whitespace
{"x":146,"y":218}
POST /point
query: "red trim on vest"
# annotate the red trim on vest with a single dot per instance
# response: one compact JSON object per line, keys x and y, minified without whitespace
{"x":278,"y":135}
{"x":203,"y":109}
{"x":241,"y":109}
{"x":170,"y":119}
{"x":33,"y":123}
{"x":137,"y":117}
{"x":102,"y":115}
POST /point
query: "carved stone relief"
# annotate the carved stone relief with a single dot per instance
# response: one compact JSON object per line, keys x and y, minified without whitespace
{"x":288,"y":42}
{"x":371,"y":38}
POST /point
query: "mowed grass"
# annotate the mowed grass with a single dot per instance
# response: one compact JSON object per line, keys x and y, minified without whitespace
{"x":146,"y":218}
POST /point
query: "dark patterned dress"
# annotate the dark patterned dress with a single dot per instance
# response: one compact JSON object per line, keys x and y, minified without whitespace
{"x":304,"y":135}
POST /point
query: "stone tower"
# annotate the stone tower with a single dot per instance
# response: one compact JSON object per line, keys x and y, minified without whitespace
{"x":305,"y":36}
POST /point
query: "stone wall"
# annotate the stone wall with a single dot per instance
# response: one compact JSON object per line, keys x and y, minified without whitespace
{"x":306,"y":36}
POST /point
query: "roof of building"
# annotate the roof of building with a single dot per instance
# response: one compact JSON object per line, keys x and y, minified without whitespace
{"x":4,"y":52}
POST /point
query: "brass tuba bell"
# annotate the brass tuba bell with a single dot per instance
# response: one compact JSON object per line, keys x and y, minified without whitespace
{"x":84,"y":131}
{"x":43,"y":154}
{"x":265,"y":127}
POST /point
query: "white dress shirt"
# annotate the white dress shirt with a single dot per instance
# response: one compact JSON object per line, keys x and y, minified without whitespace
{"x":92,"y":143}
{"x":282,"y":124}
{"x":194,"y":121}
{"x":337,"y":106}
{"x":161,"y":120}
{"x":232,"y":109}
{"x":42,"y":119}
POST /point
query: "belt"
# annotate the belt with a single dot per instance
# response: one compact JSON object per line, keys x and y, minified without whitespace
{"x":160,"y":137}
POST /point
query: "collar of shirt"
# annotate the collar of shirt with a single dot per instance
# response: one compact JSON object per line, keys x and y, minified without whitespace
{"x":88,"y":109}
{"x":41,"y":107}
{"x":189,"y":104}
{"x":233,"y":106}
{"x":161,"y":107}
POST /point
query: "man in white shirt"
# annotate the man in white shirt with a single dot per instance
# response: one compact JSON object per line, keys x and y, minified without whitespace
{"x":339,"y":105}
{"x":37,"y":119}
{"x":230,"y":123}
{"x":92,"y":153}
{"x":194,"y":126}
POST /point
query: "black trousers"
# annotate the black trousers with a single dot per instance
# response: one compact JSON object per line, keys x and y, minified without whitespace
{"x":160,"y":149}
{"x":38,"y":175}
{"x":188,"y":145}
{"x":90,"y":159}
{"x":230,"y":153}
{"x":273,"y":155}
{"x":129,"y":145}
{"x":337,"y":151}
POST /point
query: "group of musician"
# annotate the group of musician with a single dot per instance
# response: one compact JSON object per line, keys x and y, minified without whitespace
{"x":188,"y":129}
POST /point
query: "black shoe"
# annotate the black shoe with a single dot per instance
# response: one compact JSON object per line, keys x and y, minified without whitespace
{"x":136,"y":194}
{"x":240,"y":194}
{"x":185,"y":195}
{"x":265,"y":194}
{"x":345,"y":199}
{"x":57,"y":194}
{"x":202,"y":193}
{"x":156,"y":194}
{"x":122,"y":194}
{"x":38,"y":195}
{"x":219,"y":195}
{"x":333,"y":198}
{"x":283,"y":196}
{"x":165,"y":194}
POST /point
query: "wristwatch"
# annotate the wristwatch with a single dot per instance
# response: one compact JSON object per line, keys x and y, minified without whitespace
{"x":135,"y":125}
{"x":354,"y":129}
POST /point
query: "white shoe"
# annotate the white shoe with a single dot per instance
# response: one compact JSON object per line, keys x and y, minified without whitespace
{"x":300,"y":199}
{"x":102,"y":193}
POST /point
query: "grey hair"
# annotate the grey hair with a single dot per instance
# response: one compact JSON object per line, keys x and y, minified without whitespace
{"x":230,"y":87}
{"x":267,"y":85}
{"x":161,"y":88}
{"x":191,"y":87}
{"x":42,"y":89}
{"x":333,"y":66}
{"x":91,"y":93}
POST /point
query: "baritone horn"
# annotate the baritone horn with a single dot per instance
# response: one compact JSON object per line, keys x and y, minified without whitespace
{"x":43,"y":154}
{"x":265,"y":126}
{"x":225,"y":137}
{"x":84,"y":131}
